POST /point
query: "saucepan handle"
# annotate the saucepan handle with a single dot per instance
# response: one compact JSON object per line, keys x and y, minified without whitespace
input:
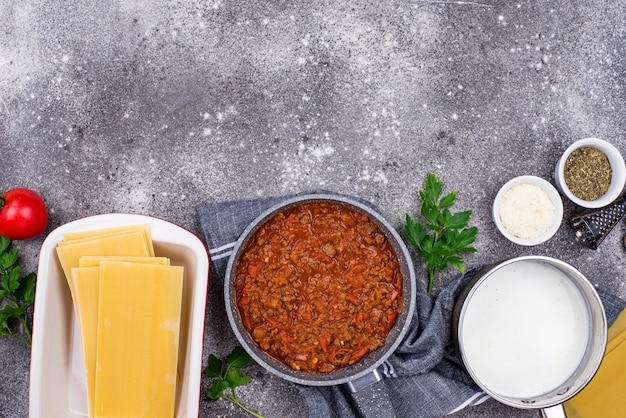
{"x":556,"y":411}
{"x":371,"y":396}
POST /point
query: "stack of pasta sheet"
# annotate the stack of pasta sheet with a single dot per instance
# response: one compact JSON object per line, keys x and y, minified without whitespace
{"x":604,"y":395}
{"x":128,"y":307}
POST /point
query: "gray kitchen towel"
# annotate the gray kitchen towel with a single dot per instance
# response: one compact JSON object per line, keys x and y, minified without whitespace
{"x":424,"y":376}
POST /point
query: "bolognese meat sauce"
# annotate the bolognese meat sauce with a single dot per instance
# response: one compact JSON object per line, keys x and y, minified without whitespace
{"x":319,"y":287}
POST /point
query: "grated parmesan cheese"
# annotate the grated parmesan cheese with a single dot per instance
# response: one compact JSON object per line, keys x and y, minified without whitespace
{"x":526,"y":211}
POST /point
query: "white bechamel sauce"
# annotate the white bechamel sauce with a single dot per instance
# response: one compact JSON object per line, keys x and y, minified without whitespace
{"x":525,"y":330}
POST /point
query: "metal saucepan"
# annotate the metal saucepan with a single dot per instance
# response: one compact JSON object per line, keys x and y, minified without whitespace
{"x":364,"y":370}
{"x":531,"y":332}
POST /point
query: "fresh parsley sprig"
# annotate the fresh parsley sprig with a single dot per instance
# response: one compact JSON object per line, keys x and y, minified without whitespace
{"x":226,"y":377}
{"x":17,"y":294}
{"x":445,"y":235}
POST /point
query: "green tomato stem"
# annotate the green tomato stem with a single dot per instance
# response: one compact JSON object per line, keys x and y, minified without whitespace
{"x":2,"y":202}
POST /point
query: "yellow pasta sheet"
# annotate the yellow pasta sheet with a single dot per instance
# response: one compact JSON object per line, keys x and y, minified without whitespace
{"x":139,"y":308}
{"x":604,"y":395}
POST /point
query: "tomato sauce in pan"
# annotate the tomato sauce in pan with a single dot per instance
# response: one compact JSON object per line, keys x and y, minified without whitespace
{"x":319,"y":287}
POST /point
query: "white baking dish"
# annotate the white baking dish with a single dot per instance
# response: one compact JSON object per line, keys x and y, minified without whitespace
{"x":57,"y":374}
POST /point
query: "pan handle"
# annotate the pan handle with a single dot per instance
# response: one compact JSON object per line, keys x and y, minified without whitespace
{"x":371,"y":397}
{"x":556,"y":411}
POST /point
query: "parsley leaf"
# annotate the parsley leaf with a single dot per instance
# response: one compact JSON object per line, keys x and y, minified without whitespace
{"x":445,"y":234}
{"x":17,"y":294}
{"x":226,"y":377}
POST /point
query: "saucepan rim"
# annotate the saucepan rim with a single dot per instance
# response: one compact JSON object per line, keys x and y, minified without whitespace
{"x":596,"y":343}
{"x":369,"y":363}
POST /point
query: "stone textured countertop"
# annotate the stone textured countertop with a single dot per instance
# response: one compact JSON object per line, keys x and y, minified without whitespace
{"x":152,"y":107}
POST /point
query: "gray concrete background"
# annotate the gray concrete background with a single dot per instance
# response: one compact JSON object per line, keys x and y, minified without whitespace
{"x":152,"y":107}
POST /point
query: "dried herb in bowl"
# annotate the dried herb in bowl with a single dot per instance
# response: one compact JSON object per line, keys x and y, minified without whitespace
{"x":588,"y":173}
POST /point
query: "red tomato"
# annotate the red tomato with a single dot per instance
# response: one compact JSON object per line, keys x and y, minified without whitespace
{"x":23,"y":215}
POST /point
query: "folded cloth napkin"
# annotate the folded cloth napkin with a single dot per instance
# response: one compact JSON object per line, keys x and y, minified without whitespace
{"x":424,"y":377}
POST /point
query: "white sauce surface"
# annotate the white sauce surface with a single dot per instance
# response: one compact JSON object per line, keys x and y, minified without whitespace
{"x":525,"y":330}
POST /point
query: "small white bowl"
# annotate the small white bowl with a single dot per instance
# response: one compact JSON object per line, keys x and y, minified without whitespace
{"x":552,"y":193}
{"x":618,"y":178}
